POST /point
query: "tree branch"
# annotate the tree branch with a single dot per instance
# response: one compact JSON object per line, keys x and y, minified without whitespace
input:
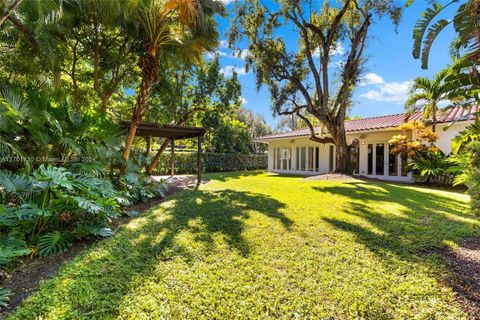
{"x":27,"y":33}
{"x":4,"y":16}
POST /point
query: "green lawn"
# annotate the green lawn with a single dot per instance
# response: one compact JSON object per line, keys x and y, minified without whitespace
{"x":266,"y":246}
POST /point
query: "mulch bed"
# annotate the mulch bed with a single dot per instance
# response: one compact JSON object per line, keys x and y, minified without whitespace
{"x":25,"y":279}
{"x":464,"y":264}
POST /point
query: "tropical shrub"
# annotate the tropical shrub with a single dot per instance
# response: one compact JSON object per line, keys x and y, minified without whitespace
{"x":428,"y":162}
{"x":433,"y":167}
{"x":467,"y":164}
{"x":43,"y":212}
{"x":186,"y":162}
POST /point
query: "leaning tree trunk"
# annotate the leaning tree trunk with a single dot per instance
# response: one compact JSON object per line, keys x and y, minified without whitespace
{"x":150,"y":66}
{"x":156,"y":159}
{"x":434,"y":118}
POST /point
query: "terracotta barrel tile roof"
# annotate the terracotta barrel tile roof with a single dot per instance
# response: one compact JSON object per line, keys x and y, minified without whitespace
{"x":385,"y":122}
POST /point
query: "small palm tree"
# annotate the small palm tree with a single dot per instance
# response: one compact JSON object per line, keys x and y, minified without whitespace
{"x":162,"y":23}
{"x":426,"y":94}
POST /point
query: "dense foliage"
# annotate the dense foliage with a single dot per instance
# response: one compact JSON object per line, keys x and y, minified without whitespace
{"x":469,"y":165}
{"x":53,"y":175}
{"x":459,"y":84}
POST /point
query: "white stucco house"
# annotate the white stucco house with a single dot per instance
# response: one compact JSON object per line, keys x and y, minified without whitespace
{"x":293,"y":152}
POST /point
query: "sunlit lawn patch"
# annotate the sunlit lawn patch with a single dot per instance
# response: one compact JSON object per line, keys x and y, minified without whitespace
{"x":261,"y":245}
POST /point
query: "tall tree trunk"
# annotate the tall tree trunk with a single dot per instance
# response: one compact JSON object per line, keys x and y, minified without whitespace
{"x":434,"y":118}
{"x":342,"y":154}
{"x":156,"y":159}
{"x":339,"y":136}
{"x":150,"y":66}
{"x":104,"y":105}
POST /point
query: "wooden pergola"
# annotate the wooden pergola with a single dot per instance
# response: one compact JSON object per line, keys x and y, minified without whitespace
{"x":150,"y":129}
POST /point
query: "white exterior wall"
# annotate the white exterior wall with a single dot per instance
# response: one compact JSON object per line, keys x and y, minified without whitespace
{"x":373,"y":138}
{"x":301,"y":142}
{"x":365,"y":138}
{"x":445,"y":137}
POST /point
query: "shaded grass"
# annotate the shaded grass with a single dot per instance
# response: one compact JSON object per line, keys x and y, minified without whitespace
{"x":250,"y":245}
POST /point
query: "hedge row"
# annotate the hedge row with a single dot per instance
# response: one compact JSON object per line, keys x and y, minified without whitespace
{"x":186,"y":162}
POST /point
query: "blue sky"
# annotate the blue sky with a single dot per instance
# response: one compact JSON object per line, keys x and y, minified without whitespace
{"x":389,"y":69}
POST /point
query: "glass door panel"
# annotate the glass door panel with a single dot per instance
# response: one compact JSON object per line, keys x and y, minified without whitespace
{"x":310,"y":159}
{"x":297,"y":158}
{"x":380,"y":159}
{"x":370,"y":159}
{"x":303,"y":158}
{"x":392,"y":163}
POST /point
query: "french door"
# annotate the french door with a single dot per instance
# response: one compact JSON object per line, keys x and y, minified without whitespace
{"x":381,"y":162}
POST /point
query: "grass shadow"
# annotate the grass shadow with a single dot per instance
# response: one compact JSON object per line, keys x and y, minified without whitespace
{"x":94,"y":284}
{"x":401,"y":220}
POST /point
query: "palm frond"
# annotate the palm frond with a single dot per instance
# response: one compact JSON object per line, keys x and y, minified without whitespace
{"x":432,"y":34}
{"x":421,"y":26}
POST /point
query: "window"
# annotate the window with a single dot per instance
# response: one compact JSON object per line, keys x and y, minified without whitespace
{"x":311,"y":161}
{"x":380,"y":159}
{"x":303,"y":158}
{"x":317,"y":158}
{"x":404,"y":163}
{"x":285,"y":158}
{"x":274,"y":158}
{"x":330,"y":162}
{"x":278,"y":159}
{"x":370,"y":159}
{"x":297,"y":158}
{"x":285,"y":154}
{"x":392,"y":163}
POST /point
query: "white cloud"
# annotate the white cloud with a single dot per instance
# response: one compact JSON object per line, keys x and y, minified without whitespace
{"x":225,"y":2}
{"x":336,"y":49}
{"x":223,"y":44}
{"x":212,"y":55}
{"x":228,"y":71}
{"x":371,"y":78}
{"x":389,"y":92}
{"x":243,"y":100}
{"x":240,"y":54}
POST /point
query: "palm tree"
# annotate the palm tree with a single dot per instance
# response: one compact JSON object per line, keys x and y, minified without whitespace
{"x":425,"y":95}
{"x":162,"y":23}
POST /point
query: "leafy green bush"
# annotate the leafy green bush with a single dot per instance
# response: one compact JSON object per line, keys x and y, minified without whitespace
{"x":433,"y":167}
{"x":468,"y":163}
{"x":43,"y":212}
{"x":53,"y":243}
{"x":186,"y":162}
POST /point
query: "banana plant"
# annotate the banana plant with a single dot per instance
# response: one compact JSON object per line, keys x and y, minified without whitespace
{"x":466,"y":23}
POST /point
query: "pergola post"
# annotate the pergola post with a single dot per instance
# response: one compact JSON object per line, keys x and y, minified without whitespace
{"x":147,"y":141}
{"x":172,"y":158}
{"x":199,"y":160}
